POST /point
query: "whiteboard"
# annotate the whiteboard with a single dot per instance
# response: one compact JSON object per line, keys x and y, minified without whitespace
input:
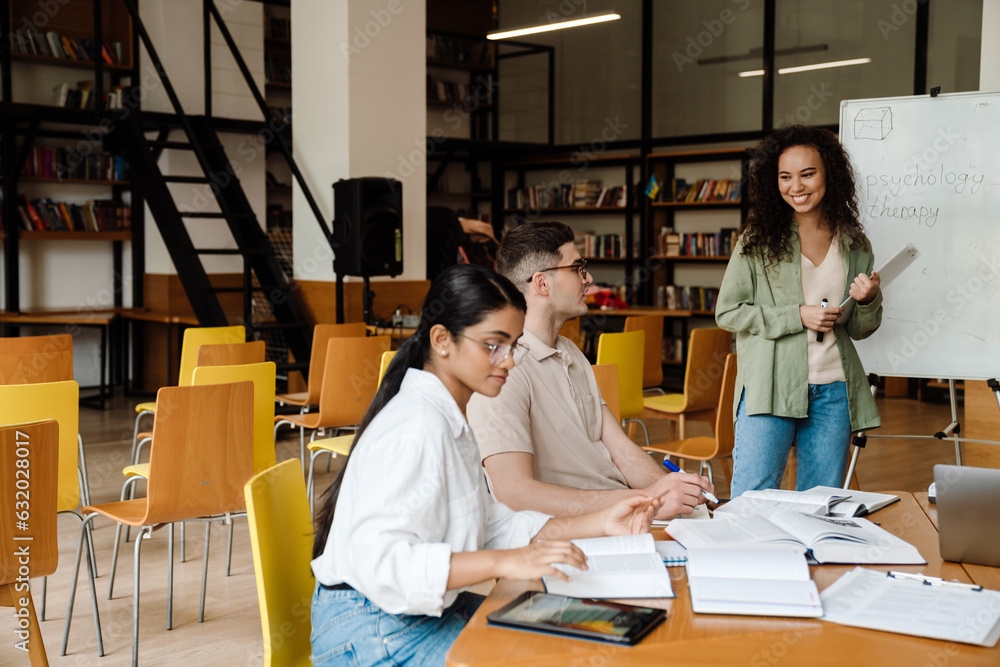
{"x":929,"y":174}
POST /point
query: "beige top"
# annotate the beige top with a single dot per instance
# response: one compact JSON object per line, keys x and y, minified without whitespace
{"x":825,"y":280}
{"x":550,"y":408}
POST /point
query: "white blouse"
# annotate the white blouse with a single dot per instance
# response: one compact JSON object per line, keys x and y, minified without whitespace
{"x":412,"y":495}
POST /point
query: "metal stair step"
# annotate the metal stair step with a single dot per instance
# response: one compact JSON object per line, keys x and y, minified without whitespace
{"x":175,"y":145}
{"x":202,"y":214}
{"x":185,"y":179}
{"x":278,"y":326}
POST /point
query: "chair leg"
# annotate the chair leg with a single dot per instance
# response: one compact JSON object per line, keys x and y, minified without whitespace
{"x":204,"y":572}
{"x":229,"y":549}
{"x":143,"y":532}
{"x":82,"y":481}
{"x":170,"y":577}
{"x":93,"y":590}
{"x":183,"y":543}
{"x":45,"y":588}
{"x":127,"y":489}
{"x":135,"y":435}
{"x":309,"y":480}
{"x":28,"y":636}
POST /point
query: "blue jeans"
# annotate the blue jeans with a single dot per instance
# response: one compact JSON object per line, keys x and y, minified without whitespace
{"x":821,"y":443}
{"x":349,"y":631}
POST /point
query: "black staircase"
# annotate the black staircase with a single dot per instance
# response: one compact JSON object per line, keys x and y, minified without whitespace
{"x":130,"y":128}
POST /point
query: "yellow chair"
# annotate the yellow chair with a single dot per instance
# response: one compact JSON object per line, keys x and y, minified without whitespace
{"x":652,"y":355}
{"x":706,"y":360}
{"x":720,"y":446}
{"x":37,"y":445}
{"x":625,"y":351}
{"x":349,"y":380}
{"x":340,"y":444}
{"x":198,"y":476}
{"x":281,"y":537}
{"x":194,"y":337}
{"x":607,"y":382}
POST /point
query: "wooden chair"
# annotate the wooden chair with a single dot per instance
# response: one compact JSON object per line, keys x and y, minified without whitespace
{"x":263,"y":377}
{"x":59,"y":401}
{"x":317,"y":359}
{"x":339,"y":445}
{"x":625,"y":351}
{"x":652,"y":355}
{"x":706,"y":359}
{"x":571,"y":329}
{"x":28,"y":452}
{"x":607,"y":382}
{"x":349,"y":381}
{"x":39,"y":360}
{"x":194,"y":338}
{"x":281,"y":537}
{"x":230,"y":354}
{"x":720,"y":446}
{"x":199,"y":476}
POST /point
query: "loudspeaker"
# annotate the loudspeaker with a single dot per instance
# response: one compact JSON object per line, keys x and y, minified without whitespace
{"x":368,"y":227}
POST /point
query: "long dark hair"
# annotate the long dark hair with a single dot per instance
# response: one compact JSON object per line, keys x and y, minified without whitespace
{"x":767,"y":230}
{"x":460,"y":297}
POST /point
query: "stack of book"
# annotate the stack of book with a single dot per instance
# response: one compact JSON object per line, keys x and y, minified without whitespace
{"x":586,"y":192}
{"x":686,"y":297}
{"x":92,"y":216}
{"x":59,"y":163}
{"x":29,"y":41}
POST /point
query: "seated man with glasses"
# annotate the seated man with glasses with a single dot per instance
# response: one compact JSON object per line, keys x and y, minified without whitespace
{"x":548,"y":441}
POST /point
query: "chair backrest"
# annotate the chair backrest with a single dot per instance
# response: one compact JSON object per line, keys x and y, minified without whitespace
{"x":28,"y":480}
{"x":281,"y":536}
{"x":36,"y":359}
{"x":607,"y":381}
{"x":625,"y":350}
{"x":350,"y":379}
{"x":195,"y":337}
{"x":706,"y":359}
{"x":24,"y":403}
{"x":384,"y":364}
{"x":231,"y":354}
{"x":202,"y":451}
{"x":322,"y":333}
{"x":263,"y":377}
{"x":724,"y":434}
{"x":571,"y":329}
{"x":652,"y":356}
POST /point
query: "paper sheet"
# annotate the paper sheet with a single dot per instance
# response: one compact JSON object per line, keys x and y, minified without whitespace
{"x":887,"y":273}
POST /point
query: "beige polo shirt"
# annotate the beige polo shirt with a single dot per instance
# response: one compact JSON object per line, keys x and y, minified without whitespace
{"x":550,"y":407}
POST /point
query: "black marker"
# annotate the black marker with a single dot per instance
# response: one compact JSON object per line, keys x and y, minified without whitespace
{"x":819,"y":334}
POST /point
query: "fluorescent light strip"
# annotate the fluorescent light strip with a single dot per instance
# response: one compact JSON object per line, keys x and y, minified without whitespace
{"x":806,"y":68}
{"x":554,"y":26}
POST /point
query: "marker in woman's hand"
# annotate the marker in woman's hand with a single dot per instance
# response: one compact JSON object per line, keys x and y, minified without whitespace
{"x":819,"y":334}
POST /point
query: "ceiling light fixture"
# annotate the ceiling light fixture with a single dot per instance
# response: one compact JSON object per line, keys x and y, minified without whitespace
{"x":807,"y":68}
{"x":546,"y":27}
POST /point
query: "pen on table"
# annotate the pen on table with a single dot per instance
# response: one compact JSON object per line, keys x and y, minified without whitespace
{"x":819,"y":334}
{"x":672,"y":467}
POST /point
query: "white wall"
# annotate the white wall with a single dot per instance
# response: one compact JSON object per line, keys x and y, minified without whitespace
{"x":989,"y":64}
{"x":359,"y":104}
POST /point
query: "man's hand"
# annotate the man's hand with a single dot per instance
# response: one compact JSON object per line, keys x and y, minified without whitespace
{"x":680,"y":493}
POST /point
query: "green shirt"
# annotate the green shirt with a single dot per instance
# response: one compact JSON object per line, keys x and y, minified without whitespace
{"x":762,"y":308}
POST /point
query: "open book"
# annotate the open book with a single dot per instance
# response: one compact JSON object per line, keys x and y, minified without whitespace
{"x":625,"y":566}
{"x":760,"y":581}
{"x":772,"y":501}
{"x":830,"y":539}
{"x":860,"y":503}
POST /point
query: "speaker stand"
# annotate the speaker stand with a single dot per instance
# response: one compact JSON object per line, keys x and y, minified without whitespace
{"x":366,"y":301}
{"x":339,"y":295}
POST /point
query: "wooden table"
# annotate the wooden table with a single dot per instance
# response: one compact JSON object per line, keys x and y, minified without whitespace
{"x":687,"y":638}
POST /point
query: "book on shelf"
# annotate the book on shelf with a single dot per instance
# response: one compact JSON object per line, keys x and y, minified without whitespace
{"x":755,"y":581}
{"x":701,"y":190}
{"x":93,"y":216}
{"x":586,"y":192}
{"x":829,"y":539}
{"x":622,"y":566}
{"x":686,"y":297}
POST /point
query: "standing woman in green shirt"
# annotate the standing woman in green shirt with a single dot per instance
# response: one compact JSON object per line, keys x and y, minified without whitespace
{"x":801,"y":252}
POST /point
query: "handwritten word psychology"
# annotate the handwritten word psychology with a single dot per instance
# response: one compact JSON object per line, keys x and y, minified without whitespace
{"x":961,"y":182}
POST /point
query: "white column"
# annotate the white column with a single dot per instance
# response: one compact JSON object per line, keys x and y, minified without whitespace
{"x":989,"y":62}
{"x":359,"y":109}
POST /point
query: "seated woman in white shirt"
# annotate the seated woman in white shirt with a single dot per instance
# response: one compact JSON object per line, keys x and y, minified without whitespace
{"x":408,"y":523}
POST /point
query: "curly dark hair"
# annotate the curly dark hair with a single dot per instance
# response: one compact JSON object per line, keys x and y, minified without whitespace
{"x":767,"y":229}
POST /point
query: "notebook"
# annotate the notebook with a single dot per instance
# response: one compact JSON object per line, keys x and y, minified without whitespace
{"x":621,"y":566}
{"x":968,"y":500}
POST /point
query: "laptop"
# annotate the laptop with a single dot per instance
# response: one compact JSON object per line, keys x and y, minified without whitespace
{"x":968,"y":503}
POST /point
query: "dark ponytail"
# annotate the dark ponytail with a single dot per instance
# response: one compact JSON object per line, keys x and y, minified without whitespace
{"x":460,"y":297}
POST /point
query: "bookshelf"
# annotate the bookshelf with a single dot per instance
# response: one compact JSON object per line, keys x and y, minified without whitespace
{"x":64,"y":64}
{"x":570,"y":189}
{"x":689,"y":231}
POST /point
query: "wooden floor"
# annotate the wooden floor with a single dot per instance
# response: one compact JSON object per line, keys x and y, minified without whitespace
{"x":231,"y":633}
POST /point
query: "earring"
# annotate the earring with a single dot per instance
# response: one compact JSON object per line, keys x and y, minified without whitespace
{"x":444,"y":353}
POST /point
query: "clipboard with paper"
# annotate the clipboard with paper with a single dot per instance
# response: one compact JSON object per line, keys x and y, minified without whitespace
{"x":887,"y":273}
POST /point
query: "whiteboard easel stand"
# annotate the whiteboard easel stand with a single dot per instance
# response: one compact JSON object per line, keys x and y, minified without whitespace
{"x":950,"y":432}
